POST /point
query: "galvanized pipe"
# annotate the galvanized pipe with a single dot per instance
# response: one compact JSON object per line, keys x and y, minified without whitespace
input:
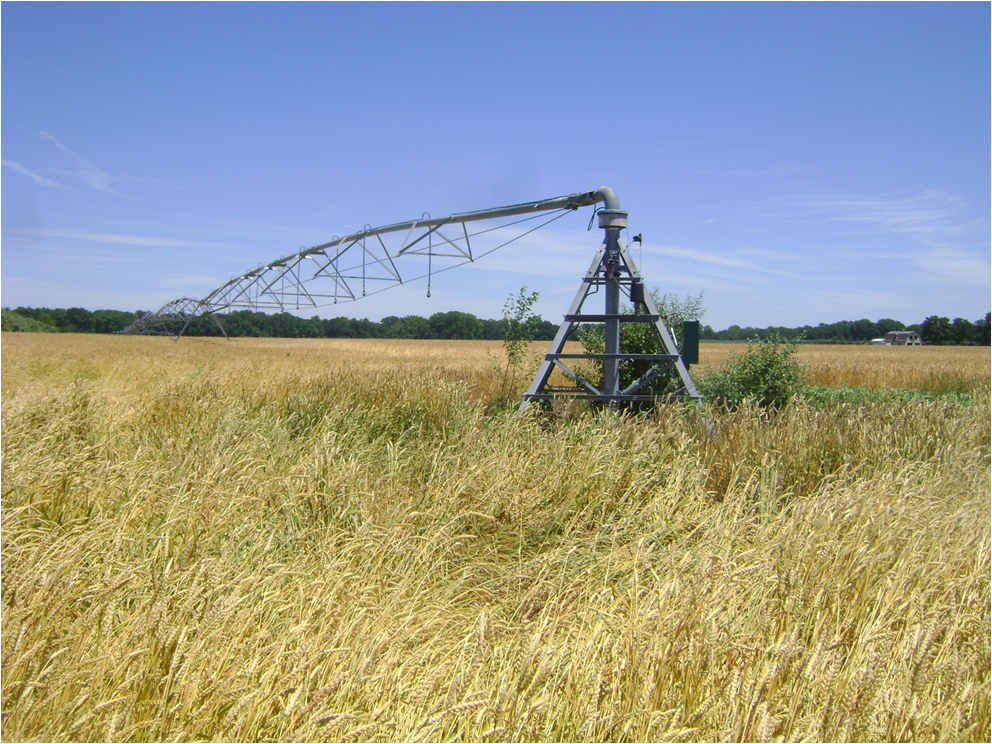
{"x":572,"y":201}
{"x":612,"y":219}
{"x":608,"y":196}
{"x":612,"y":335}
{"x":220,"y":297}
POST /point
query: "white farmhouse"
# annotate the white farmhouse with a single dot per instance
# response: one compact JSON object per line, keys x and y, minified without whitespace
{"x":902,"y":338}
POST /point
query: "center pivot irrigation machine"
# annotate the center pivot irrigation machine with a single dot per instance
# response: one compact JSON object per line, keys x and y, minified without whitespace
{"x":331,"y":272}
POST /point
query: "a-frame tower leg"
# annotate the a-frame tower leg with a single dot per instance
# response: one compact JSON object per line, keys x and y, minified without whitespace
{"x":614,"y":270}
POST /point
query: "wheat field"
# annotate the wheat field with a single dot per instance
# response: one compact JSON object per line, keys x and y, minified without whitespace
{"x":933,"y":368}
{"x":339,"y":540}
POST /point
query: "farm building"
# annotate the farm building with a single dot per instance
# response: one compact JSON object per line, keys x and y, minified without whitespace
{"x":902,"y":338}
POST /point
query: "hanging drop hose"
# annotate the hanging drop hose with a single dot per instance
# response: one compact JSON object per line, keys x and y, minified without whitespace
{"x":430,"y":255}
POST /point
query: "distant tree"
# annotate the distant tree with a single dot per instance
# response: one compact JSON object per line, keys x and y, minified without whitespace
{"x":885,"y":325}
{"x":59,"y":318}
{"x":545,"y":330}
{"x":41,"y":314}
{"x":389,"y":325}
{"x":733,"y":333}
{"x":492,"y":330}
{"x":414,"y":326}
{"x":336,"y":327}
{"x":937,"y":330}
{"x":863,"y":330}
{"x":111,"y":321}
{"x":982,"y":330}
{"x":11,"y":321}
{"x":244,"y":323}
{"x":79,"y":320}
{"x":365,"y":328}
{"x":410,"y":326}
{"x":455,"y":325}
{"x":964,"y":331}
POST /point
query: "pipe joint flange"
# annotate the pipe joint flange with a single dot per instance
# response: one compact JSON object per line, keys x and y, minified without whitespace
{"x":612,"y":218}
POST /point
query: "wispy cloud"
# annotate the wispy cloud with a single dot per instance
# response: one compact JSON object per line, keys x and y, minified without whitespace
{"x":20,"y":282}
{"x":118,"y":239}
{"x":933,"y":215}
{"x":773,"y":255}
{"x":69,"y":259}
{"x":699,"y":256}
{"x":38,"y":179}
{"x":963,"y":268}
{"x":566,"y":254}
{"x":93,"y":176}
{"x":932,"y":235}
{"x":694,"y":254}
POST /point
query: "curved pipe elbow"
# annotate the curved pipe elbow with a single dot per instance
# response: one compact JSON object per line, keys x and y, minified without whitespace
{"x":609,"y":197}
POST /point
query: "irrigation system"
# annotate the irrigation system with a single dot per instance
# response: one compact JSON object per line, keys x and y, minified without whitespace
{"x":375,"y":259}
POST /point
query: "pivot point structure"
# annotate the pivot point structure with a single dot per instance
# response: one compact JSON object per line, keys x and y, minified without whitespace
{"x":614,"y":272}
{"x":375,"y":259}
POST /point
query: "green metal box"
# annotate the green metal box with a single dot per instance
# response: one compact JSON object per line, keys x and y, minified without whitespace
{"x":689,"y":348}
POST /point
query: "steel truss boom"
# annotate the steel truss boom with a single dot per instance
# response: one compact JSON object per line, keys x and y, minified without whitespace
{"x":331,"y":272}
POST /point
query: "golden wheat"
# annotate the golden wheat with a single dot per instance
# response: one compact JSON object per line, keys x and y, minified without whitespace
{"x":333,"y":540}
{"x":936,"y":369}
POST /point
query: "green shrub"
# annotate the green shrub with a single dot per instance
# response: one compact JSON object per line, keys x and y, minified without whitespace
{"x":639,"y":338}
{"x":12,"y":321}
{"x":765,"y":372}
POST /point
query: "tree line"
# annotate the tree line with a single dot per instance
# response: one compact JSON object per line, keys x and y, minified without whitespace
{"x":935,"y":329}
{"x":246,"y":323}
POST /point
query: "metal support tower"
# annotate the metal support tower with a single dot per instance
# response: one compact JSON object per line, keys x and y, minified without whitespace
{"x":613,"y":269}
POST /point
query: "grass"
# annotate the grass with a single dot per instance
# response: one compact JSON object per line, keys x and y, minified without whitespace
{"x":337,"y":540}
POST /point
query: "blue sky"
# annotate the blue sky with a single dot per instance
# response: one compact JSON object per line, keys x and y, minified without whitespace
{"x":799,"y":163}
